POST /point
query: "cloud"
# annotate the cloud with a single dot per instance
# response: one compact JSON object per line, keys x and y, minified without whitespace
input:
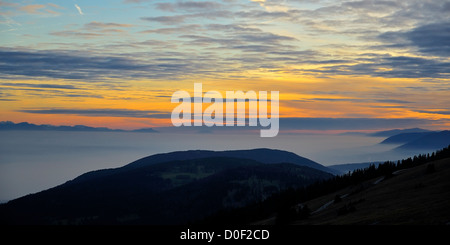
{"x":32,"y":9}
{"x":380,"y":6}
{"x":136,"y":1}
{"x":4,"y":96}
{"x":99,"y":112}
{"x":175,"y":30}
{"x":179,"y":19}
{"x":42,"y":91}
{"x":167,"y":20}
{"x":79,"y":9}
{"x":393,"y":101}
{"x":35,"y":9}
{"x":245,"y":39}
{"x":356,"y":100}
{"x":170,"y":7}
{"x":189,"y":6}
{"x":55,"y":6}
{"x":5,"y":4}
{"x":103,"y":25}
{"x":89,"y":66}
{"x":76,"y":34}
{"x":9,"y":22}
{"x":440,"y":112}
{"x":229,"y":39}
{"x":93,"y":29}
{"x":264,"y":37}
{"x":254,"y":49}
{"x":432,"y":39}
{"x":251,"y":47}
{"x":32,"y":85}
{"x":267,"y":15}
{"x":60,"y":64}
{"x":389,"y":67}
{"x":232,"y":28}
{"x":198,"y":5}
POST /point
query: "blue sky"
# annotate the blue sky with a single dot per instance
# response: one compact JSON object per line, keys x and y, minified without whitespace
{"x":329,"y":59}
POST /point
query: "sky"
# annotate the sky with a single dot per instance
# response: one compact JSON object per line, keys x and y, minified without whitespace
{"x":338,"y":65}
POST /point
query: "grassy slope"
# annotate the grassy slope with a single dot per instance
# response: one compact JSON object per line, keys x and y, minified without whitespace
{"x":411,"y":197}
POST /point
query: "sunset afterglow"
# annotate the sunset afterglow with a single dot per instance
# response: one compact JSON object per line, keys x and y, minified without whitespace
{"x":116,"y":64}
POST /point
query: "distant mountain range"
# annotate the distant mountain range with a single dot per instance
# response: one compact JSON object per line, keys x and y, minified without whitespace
{"x":434,"y":140}
{"x":401,"y":135}
{"x":7,"y":125}
{"x":420,"y":140}
{"x":262,"y":155}
{"x":404,"y":138}
{"x":169,"y":188}
{"x":393,"y":132}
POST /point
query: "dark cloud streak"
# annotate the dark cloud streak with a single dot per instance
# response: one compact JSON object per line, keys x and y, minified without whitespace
{"x":431,"y":39}
{"x":89,"y":66}
{"x":32,"y":85}
{"x":100,"y":112}
{"x":390,"y":67}
{"x":188,"y":6}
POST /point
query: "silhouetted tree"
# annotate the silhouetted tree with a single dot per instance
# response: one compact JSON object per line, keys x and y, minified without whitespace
{"x":337,"y":199}
{"x":430,"y":168}
{"x":283,"y":202}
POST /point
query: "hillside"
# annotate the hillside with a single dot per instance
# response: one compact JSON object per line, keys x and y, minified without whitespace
{"x":350,"y":167}
{"x":415,"y":190}
{"x":403,"y":138}
{"x":172,"y":192}
{"x":411,"y":196}
{"x":429,"y":141}
{"x":261,"y":155}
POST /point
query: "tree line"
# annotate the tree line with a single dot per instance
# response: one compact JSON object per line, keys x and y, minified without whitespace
{"x":287,"y":204}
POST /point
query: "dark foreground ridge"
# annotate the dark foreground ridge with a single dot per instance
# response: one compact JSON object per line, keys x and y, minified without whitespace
{"x":197,"y":188}
{"x":166,"y":189}
{"x":262,"y":155}
{"x":411,"y":191}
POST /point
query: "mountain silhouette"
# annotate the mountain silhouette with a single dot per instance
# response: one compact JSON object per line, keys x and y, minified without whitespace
{"x":404,"y":138}
{"x":350,"y":167}
{"x":262,"y":155}
{"x":417,"y":195}
{"x":170,"y":188}
{"x":25,"y":126}
{"x":389,"y":133}
{"x":414,"y":190}
{"x":429,"y":141}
